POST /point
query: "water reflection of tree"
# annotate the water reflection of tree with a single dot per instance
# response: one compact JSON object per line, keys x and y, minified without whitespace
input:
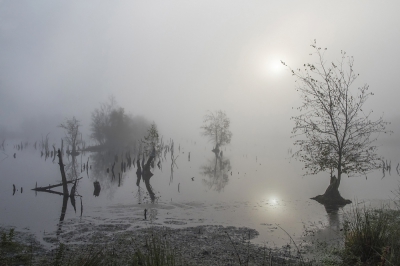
{"x":101,"y":161}
{"x":62,"y":216}
{"x":217,"y":172}
{"x":71,"y":170}
{"x":107,"y":169}
{"x":146,"y":179}
{"x":333,"y":216}
{"x":143,"y":172}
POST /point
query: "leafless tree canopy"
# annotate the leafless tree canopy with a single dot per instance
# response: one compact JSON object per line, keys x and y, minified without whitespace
{"x":152,"y":140}
{"x":101,"y":120}
{"x":216,"y":127}
{"x":71,"y":127}
{"x":333,"y":131}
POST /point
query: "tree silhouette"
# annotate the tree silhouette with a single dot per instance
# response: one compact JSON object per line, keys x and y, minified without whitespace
{"x":71,"y":127}
{"x":112,"y":127}
{"x":216,"y":127}
{"x":151,"y":140}
{"x":333,"y":132}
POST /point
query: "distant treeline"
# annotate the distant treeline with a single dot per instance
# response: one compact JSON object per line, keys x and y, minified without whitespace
{"x":111,"y":127}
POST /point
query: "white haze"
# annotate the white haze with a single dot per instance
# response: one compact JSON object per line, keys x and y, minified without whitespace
{"x":170,"y":61}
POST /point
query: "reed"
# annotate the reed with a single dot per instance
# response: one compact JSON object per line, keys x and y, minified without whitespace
{"x":371,"y":236}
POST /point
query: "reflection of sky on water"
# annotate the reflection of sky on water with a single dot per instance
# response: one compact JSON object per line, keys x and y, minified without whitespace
{"x":260,"y":192}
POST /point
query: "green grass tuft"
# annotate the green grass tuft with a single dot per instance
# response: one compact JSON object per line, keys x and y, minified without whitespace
{"x":371,"y":237}
{"x":157,"y":252}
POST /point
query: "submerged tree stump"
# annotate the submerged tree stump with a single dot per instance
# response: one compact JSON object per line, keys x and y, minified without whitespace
{"x":332,"y":197}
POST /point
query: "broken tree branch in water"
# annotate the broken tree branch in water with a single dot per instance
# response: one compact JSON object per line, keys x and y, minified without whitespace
{"x":51,"y":192}
{"x":53,"y":186}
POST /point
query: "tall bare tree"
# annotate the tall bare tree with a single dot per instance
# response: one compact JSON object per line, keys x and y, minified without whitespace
{"x":216,"y":127}
{"x":71,"y":127}
{"x":101,"y":120}
{"x":333,"y":132}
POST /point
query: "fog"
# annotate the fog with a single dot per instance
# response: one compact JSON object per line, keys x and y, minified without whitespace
{"x":172,"y":61}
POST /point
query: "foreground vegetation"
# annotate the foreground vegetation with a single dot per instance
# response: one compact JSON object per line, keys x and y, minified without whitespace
{"x":372,"y":237}
{"x":202,"y":245}
{"x":155,"y":252}
{"x":367,"y":237}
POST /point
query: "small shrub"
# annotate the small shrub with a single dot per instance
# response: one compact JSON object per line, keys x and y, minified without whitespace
{"x":12,"y":252}
{"x":7,"y":239}
{"x":157,"y":252}
{"x":371,"y":236}
{"x":60,"y":254}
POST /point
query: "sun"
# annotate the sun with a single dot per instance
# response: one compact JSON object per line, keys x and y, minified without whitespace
{"x":275,"y":66}
{"x":270,"y":66}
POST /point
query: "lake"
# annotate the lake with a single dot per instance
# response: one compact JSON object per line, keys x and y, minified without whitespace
{"x":247,"y":186}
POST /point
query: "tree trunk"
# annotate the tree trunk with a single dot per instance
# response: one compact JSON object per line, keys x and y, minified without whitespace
{"x":63,"y":177}
{"x":332,"y":197}
{"x":215,"y":167}
{"x":339,"y":170}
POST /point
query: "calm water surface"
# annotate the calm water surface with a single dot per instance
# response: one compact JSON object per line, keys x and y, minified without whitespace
{"x":246,"y":186}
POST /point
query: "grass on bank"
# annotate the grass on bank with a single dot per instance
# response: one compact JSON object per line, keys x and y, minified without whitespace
{"x":371,"y":237}
{"x":153,"y":250}
{"x":368,"y":236}
{"x":12,"y":252}
{"x":156,"y":251}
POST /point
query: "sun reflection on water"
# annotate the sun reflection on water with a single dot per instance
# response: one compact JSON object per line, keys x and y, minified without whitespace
{"x":273,"y":201}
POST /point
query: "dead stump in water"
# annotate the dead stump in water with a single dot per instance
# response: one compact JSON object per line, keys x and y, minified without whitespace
{"x":332,"y":197}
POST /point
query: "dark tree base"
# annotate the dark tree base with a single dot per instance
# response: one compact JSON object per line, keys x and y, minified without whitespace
{"x":331,"y":201}
{"x":332,"y":197}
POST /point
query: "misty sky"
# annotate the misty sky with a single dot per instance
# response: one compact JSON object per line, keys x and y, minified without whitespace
{"x":170,"y":61}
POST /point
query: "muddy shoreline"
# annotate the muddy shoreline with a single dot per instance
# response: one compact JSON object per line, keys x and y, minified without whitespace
{"x":199,"y":245}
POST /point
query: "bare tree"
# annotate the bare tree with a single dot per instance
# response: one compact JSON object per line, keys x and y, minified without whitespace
{"x":216,"y":127}
{"x":71,"y":127}
{"x":333,"y":132}
{"x":101,"y":120}
{"x":152,"y":140}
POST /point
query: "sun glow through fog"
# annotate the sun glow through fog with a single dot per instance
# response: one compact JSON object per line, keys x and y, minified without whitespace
{"x":271,"y":67}
{"x":275,"y":67}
